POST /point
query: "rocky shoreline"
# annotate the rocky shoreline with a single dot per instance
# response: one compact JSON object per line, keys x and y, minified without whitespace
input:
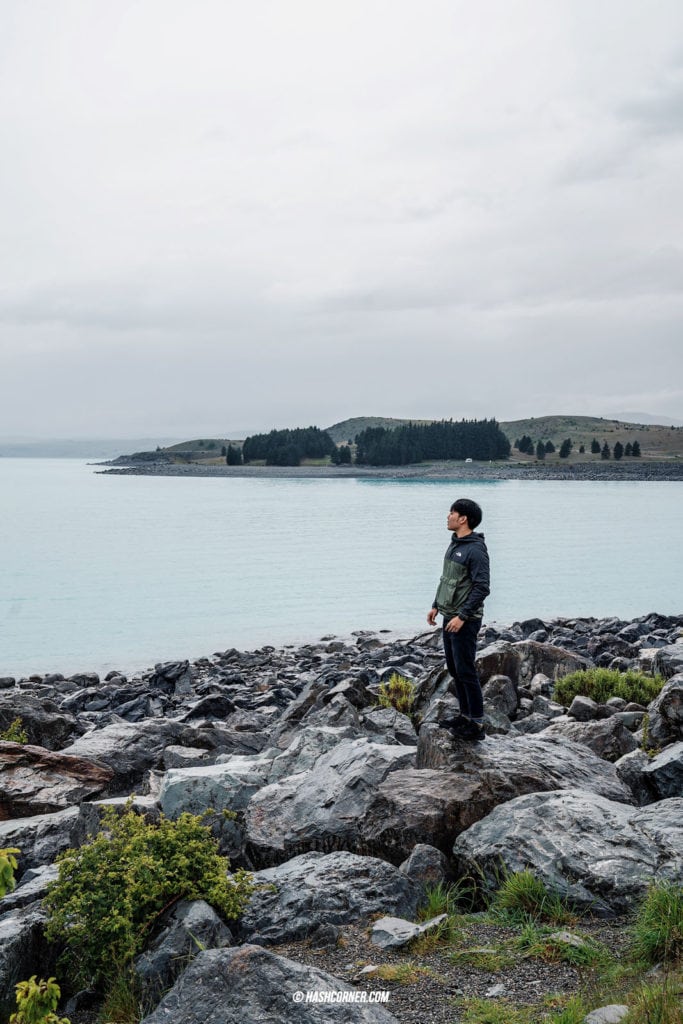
{"x":347,"y":811}
{"x":630,"y":470}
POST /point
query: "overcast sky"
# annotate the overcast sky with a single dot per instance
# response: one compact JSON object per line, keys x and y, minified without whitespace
{"x":230,"y":214}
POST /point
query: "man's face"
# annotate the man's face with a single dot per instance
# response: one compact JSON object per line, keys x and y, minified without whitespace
{"x":455,"y":521}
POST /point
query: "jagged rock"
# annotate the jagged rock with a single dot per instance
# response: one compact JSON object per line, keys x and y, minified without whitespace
{"x":228,"y":785}
{"x":631,"y":770}
{"x":666,"y":712}
{"x":394,"y":932}
{"x":425,"y":865}
{"x":186,"y":757}
{"x":668,"y":661}
{"x":609,"y":739}
{"x":323,"y":808}
{"x":191,"y":925}
{"x":315,"y":889}
{"x":665,"y":772}
{"x":130,"y":749}
{"x":522,"y":660}
{"x":32,"y":886}
{"x":40,"y":838}
{"x":583,"y":709}
{"x":216,"y":705}
{"x":250,"y":985}
{"x":389,"y":723}
{"x":22,"y":947}
{"x":45,"y":723}
{"x":336,"y":713}
{"x":601,"y":854}
{"x":90,"y":813}
{"x":500,"y":693}
{"x":34,"y":780}
{"x":434,"y":804}
{"x":531,"y":725}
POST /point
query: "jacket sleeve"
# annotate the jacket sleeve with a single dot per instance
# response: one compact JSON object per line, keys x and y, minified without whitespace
{"x":481,"y":582}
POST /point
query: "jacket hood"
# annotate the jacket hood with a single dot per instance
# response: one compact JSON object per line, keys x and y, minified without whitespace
{"x":471,"y":538}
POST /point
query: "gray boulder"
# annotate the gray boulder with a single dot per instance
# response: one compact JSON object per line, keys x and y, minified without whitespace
{"x":22,"y":948}
{"x":668,"y":661}
{"x":40,"y":838}
{"x":664,"y":772}
{"x":322,"y":808}
{"x":425,"y":865}
{"x":45,"y":723}
{"x":395,"y":932}
{"x":609,"y":738}
{"x":666,"y":712}
{"x":602,"y":855}
{"x":500,"y":693}
{"x":227,"y":785}
{"x":435,"y":804}
{"x":583,"y":709}
{"x":631,"y":770}
{"x":250,"y":985}
{"x":190,"y":926}
{"x":131,"y":749}
{"x":32,"y":886}
{"x":522,"y":660}
{"x":316,"y":889}
{"x":390,"y":724}
{"x":34,"y":780}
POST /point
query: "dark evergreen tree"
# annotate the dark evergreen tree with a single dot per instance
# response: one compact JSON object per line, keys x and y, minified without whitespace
{"x":549,"y":447}
{"x":605,"y":451}
{"x":618,"y":450}
{"x":306,"y":442}
{"x":582,"y":449}
{"x":233,"y":456}
{"x":635,"y":451}
{"x":565,"y":448}
{"x":628,"y":450}
{"x":526,"y":445}
{"x":415,"y":442}
{"x":540,"y":450}
{"x":595,"y":447}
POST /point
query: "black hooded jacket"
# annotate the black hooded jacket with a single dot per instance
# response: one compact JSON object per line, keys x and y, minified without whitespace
{"x":465,"y":580}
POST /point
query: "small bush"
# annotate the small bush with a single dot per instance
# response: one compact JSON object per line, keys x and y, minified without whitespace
{"x":15,"y":732}
{"x":110,"y":891}
{"x":602,"y":683}
{"x":447,"y":899}
{"x":36,"y":1002}
{"x":398,"y":693}
{"x":8,"y":865}
{"x":522,"y":898}
{"x":658,"y":928}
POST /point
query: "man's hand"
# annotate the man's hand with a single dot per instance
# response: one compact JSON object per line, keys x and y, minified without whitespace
{"x":455,"y":624}
{"x":431,"y":618}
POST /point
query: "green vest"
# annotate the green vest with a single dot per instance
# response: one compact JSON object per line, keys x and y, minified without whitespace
{"x":454,"y":588}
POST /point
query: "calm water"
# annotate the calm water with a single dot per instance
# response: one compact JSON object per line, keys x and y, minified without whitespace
{"x":123,"y":571}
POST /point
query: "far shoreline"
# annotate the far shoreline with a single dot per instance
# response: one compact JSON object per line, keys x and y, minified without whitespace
{"x":582,"y":471}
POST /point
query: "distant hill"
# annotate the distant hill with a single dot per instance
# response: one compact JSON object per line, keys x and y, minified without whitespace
{"x":79,"y":448}
{"x":656,"y":440}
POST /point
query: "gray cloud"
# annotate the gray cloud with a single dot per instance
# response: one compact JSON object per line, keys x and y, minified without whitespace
{"x":270,"y":214}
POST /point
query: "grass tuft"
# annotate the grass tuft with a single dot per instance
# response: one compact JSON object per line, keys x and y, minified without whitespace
{"x":602,"y":683}
{"x":658,"y":928}
{"x":522,"y":897}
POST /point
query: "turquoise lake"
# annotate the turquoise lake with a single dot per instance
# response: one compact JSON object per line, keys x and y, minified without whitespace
{"x":102,"y":572}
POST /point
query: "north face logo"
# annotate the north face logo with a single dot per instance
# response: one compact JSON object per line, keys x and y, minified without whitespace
{"x":458,"y":554}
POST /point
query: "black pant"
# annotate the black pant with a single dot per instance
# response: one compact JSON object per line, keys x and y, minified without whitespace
{"x":460,"y":649}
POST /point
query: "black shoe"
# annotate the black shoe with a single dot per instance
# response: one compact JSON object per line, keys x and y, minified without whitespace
{"x":469,"y":730}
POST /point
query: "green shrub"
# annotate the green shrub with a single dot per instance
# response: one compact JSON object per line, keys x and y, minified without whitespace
{"x":398,"y":693}
{"x":111,"y":890}
{"x":522,"y":897}
{"x":447,"y":899}
{"x":8,"y":865}
{"x":36,"y":1002}
{"x":658,"y":927}
{"x":602,"y":683}
{"x":15,"y":733}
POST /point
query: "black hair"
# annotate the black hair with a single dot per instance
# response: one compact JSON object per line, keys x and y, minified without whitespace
{"x":470,"y":509}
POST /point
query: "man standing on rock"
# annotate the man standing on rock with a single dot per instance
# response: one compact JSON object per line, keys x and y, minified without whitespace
{"x":463,"y":586}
